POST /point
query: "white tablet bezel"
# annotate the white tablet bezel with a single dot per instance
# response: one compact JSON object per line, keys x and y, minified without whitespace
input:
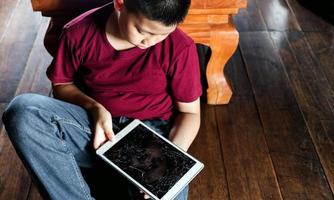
{"x":172,"y":193}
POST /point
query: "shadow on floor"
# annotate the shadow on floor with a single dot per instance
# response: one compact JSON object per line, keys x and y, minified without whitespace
{"x":322,"y":8}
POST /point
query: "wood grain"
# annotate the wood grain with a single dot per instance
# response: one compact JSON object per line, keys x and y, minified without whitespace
{"x":6,"y":8}
{"x":34,"y":76}
{"x":298,"y":168}
{"x":250,"y":19}
{"x":312,"y":91}
{"x":14,"y":179}
{"x":213,"y":4}
{"x":249,"y":169}
{"x":322,"y":45}
{"x":211,"y":182}
{"x":223,"y":43}
{"x":277,"y":15}
{"x":15,"y":48}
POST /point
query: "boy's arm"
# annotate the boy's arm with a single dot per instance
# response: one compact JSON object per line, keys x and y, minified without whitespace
{"x":186,"y":124}
{"x":102,"y":120}
{"x":70,"y":93}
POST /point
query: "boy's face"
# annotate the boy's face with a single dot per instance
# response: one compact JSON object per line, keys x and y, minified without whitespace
{"x":141,"y":31}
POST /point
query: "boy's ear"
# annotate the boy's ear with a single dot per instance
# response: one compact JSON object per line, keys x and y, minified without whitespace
{"x":118,"y":4}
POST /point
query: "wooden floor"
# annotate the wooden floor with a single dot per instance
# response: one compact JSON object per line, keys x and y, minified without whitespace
{"x":274,"y":140}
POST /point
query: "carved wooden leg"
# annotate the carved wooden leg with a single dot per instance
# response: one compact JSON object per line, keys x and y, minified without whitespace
{"x":223,"y":42}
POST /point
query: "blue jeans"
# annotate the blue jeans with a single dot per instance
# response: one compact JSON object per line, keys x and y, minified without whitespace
{"x":53,"y":140}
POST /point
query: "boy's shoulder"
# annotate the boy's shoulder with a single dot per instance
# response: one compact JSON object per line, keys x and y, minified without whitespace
{"x":92,"y":19}
{"x":179,"y":41}
{"x":180,"y":37}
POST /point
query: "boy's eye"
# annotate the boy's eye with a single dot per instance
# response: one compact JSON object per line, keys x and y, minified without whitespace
{"x":139,"y":31}
{"x":142,"y":32}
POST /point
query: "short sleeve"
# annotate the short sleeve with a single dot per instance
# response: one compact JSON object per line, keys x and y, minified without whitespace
{"x":185,"y":80}
{"x":65,"y":63}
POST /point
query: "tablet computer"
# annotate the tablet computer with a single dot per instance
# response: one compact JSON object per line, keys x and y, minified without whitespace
{"x":150,"y":161}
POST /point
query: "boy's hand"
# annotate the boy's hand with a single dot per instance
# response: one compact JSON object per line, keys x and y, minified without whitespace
{"x":102,"y":125}
{"x":146,"y":196}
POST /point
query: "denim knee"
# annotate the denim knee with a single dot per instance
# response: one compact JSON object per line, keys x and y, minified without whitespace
{"x":19,"y":111}
{"x":19,"y":105}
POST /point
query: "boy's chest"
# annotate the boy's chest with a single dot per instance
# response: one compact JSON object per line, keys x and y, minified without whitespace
{"x":141,"y":74}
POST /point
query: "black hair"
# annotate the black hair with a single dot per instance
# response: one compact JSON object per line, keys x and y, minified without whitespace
{"x":168,"y":12}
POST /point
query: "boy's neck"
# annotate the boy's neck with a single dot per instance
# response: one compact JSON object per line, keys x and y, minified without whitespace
{"x":113,"y":34}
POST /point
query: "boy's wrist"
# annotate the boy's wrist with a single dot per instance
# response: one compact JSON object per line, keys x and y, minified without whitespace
{"x":93,"y":106}
{"x":182,"y":144}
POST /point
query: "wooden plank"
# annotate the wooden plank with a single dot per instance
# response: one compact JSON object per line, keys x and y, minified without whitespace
{"x":6,"y":14}
{"x":13,"y":58}
{"x":249,"y":169}
{"x":329,"y":130}
{"x":312,"y":92}
{"x":34,"y":78}
{"x":277,"y":15}
{"x":308,"y":79}
{"x":307,"y":20}
{"x":323,"y":48}
{"x":331,"y":102}
{"x":25,"y":21}
{"x":15,"y":48}
{"x":299,"y":171}
{"x":211,"y":182}
{"x":250,"y":19}
{"x":14,"y":179}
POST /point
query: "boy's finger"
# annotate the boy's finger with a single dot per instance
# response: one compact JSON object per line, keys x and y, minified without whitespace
{"x":146,"y":196}
{"x":108,"y":131}
{"x":109,"y":134}
{"x":99,"y":137}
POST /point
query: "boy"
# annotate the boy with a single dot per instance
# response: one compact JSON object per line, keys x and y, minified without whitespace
{"x":133,"y":62}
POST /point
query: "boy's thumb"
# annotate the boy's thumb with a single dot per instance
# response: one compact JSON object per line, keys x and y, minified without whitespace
{"x":109,"y":132}
{"x":99,"y":137}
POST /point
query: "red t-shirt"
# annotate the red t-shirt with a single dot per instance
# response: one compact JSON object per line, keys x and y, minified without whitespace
{"x":136,"y":83}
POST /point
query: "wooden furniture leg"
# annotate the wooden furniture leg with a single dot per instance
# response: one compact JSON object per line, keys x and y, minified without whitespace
{"x":219,"y":33}
{"x":223,"y":42}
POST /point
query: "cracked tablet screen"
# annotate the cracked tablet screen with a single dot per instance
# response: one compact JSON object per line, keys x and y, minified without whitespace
{"x":149,"y":160}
